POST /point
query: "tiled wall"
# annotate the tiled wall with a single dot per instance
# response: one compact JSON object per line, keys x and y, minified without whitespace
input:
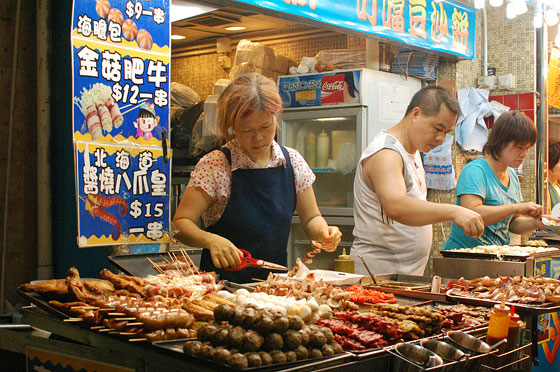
{"x":201,"y":72}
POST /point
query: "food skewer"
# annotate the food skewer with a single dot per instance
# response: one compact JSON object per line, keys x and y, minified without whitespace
{"x":174,"y":260}
{"x":191,"y":263}
{"x":132,"y":108}
{"x":183,"y":252}
{"x":165,"y":259}
{"x":179,"y":268}
{"x":155,"y":265}
{"x":84,"y":308}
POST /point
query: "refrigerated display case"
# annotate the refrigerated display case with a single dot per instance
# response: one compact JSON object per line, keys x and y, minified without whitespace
{"x":330,"y":118}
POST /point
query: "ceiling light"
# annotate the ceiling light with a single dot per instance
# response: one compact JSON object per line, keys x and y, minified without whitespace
{"x":479,"y":4}
{"x":557,"y":38}
{"x":181,"y":9}
{"x":550,"y":17}
{"x":496,"y":3}
{"x":510,"y":10}
{"x":538,"y":19}
{"x":177,"y":37}
{"x":331,"y":119}
{"x":235,"y":28}
{"x":520,"y":6}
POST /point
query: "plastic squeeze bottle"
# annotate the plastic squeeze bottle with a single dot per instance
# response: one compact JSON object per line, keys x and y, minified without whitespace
{"x":322,"y":150}
{"x":344,"y":263}
{"x":498,"y":326}
{"x":514,"y":332}
{"x":311,"y":150}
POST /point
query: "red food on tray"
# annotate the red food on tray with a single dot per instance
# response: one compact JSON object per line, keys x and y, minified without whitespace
{"x":362,"y":295}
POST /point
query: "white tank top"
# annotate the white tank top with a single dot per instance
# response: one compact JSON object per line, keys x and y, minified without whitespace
{"x":386,"y":245}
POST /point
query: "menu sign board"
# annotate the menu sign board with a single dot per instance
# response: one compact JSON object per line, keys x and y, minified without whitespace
{"x":123,"y":194}
{"x":121,"y":58}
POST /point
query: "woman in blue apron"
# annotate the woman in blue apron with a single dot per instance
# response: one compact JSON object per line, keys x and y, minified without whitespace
{"x":247,"y":191}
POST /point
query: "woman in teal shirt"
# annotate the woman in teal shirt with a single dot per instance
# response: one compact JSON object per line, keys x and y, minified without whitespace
{"x":553,"y":171}
{"x":490,"y":187}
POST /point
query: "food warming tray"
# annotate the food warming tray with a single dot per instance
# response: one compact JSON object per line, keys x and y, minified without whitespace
{"x":138,"y":264}
{"x":176,"y":346}
{"x":407,"y":286}
{"x":533,"y":309}
{"x":489,"y":256}
{"x":36,"y":299}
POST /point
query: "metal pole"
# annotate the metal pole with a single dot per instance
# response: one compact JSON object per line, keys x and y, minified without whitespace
{"x":542,"y":117}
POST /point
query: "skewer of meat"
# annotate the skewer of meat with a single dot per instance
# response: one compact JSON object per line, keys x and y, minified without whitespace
{"x":317,"y":248}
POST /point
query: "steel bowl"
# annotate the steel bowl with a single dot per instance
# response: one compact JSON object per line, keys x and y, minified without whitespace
{"x":446,"y":351}
{"x":468,"y":343}
{"x":418,"y":354}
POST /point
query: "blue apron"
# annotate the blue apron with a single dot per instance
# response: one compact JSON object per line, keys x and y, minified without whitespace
{"x":257,"y":217}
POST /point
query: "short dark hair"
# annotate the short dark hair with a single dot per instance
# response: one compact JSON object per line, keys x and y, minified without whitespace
{"x":553,"y":152}
{"x":429,"y":99}
{"x":513,"y":127}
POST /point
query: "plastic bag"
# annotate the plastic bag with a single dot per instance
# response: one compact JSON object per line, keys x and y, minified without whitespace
{"x":345,"y":59}
{"x":202,"y":144}
{"x":418,"y":64}
{"x":438,"y":166}
{"x":183,"y":96}
{"x":498,"y":109}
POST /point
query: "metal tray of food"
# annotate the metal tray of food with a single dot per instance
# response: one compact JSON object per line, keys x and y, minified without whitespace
{"x":36,"y":299}
{"x":407,"y":286}
{"x":140,"y":265}
{"x":463,"y":326}
{"x":505,"y":257}
{"x":176,"y":346}
{"x":533,"y":309}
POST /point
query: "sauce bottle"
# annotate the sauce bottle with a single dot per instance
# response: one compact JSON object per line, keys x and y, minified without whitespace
{"x":344,"y":263}
{"x":514,"y":332}
{"x":311,"y":149}
{"x":498,"y":326}
{"x":322,"y":150}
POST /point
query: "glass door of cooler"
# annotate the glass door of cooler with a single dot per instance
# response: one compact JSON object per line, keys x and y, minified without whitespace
{"x":331,"y":139}
{"x":299,"y":244}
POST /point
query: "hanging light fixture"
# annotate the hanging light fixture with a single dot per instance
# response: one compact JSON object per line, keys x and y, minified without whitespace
{"x":479,"y":4}
{"x":520,"y":6}
{"x":545,"y":11}
{"x":557,"y":38}
{"x":510,"y":10}
{"x":550,"y":16}
{"x":538,"y":18}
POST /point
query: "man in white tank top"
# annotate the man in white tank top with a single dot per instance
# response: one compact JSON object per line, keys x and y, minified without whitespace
{"x":393,"y":219}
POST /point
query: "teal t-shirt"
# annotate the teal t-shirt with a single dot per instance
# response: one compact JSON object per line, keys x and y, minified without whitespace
{"x":477,"y":178}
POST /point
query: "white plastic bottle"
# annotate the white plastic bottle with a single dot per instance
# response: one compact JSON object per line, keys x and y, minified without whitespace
{"x":322,"y":150}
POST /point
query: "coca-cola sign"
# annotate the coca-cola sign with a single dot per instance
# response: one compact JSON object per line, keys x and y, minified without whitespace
{"x":334,"y":86}
{"x":332,"y":89}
